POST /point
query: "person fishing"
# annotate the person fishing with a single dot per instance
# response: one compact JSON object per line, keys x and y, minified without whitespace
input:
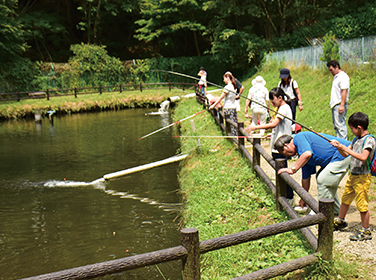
{"x":281,"y":125}
{"x":229,"y":94}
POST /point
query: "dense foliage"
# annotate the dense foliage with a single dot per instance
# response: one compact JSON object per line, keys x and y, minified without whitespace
{"x":233,"y":34}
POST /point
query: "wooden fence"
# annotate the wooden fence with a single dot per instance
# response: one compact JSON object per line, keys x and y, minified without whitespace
{"x":89,"y":90}
{"x":191,"y":248}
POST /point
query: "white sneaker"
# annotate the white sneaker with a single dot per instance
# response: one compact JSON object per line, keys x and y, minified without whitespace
{"x":300,"y":209}
{"x":311,"y":213}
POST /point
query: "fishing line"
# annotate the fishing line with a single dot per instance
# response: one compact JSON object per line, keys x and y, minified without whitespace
{"x":158,"y":130}
{"x":270,"y":109}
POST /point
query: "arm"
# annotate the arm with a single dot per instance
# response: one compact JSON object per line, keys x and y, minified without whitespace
{"x":299,"y":99}
{"x":302,"y":160}
{"x":341,"y":108}
{"x":219,"y":100}
{"x":272,"y":124}
{"x":345,"y":151}
{"x":247,"y":104}
{"x":241,"y":90}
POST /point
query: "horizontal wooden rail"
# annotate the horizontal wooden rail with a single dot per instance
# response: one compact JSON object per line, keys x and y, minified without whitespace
{"x":115,"y":266}
{"x":281,"y":269}
{"x":258,"y":233}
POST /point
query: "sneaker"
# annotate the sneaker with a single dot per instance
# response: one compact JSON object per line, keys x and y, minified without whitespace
{"x":301,"y":209}
{"x":339,"y":224}
{"x":311,"y":213}
{"x":361,"y":235}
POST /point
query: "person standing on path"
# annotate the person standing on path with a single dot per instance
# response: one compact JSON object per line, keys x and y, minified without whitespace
{"x":239,"y":91}
{"x":202,"y":82}
{"x":314,"y":151}
{"x":281,"y":125}
{"x":339,"y":98}
{"x":357,"y":186}
{"x":259,"y":93}
{"x":291,"y":88}
{"x":229,"y":94}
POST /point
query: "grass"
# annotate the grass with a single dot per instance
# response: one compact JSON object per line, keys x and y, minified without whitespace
{"x":223,"y":196}
{"x":84,"y":103}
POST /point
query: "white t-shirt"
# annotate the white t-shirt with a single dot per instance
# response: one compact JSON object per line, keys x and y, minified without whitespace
{"x":288,"y":88}
{"x":229,"y":97}
{"x":284,"y":126}
{"x":259,"y":94}
{"x":341,"y":81}
{"x":202,"y":80}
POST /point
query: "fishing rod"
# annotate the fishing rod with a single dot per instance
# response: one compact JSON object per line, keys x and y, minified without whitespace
{"x":302,"y":125}
{"x":214,"y":136}
{"x":167,"y":126}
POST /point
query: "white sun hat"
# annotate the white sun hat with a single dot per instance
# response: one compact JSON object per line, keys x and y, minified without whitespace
{"x":258,"y":81}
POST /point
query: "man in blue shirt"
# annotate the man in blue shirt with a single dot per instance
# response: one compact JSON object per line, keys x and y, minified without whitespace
{"x":314,"y":151}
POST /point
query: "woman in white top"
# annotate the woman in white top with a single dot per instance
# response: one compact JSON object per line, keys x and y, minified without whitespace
{"x":290,"y":87}
{"x":259,"y":93}
{"x":229,"y":94}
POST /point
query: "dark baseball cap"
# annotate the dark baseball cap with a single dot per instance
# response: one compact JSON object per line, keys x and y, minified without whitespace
{"x":284,"y":73}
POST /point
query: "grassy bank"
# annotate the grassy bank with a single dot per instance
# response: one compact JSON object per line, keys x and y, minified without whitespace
{"x":222,"y":195}
{"x":315,"y":86}
{"x":85,"y":103}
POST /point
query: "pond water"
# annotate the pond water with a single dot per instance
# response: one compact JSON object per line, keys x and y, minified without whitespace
{"x":52,"y":215}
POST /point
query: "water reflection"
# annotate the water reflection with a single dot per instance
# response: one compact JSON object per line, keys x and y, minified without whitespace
{"x":53,"y":217}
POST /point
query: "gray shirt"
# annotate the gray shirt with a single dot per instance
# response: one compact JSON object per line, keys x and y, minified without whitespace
{"x":358,"y":167}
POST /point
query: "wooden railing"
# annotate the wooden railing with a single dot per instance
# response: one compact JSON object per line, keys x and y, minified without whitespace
{"x":191,"y":248}
{"x":89,"y":90}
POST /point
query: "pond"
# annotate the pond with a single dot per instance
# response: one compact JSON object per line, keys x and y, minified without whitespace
{"x":54,"y":212}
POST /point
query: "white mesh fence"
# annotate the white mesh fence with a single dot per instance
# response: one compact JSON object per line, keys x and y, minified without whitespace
{"x":359,"y":50}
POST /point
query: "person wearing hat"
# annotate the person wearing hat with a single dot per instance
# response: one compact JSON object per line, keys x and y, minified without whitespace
{"x":259,"y":93}
{"x":290,"y":87}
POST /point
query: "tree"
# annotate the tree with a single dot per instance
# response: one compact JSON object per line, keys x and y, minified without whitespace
{"x":330,"y":48}
{"x":169,"y":22}
{"x":15,"y":71}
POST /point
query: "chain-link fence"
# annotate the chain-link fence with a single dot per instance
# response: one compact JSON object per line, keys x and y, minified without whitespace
{"x":359,"y":50}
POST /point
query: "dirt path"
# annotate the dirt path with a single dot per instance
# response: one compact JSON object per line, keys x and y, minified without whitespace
{"x":362,"y":252}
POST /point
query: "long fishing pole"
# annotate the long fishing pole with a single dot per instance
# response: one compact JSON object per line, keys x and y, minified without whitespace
{"x":167,"y":126}
{"x":302,"y":125}
{"x":220,"y":136}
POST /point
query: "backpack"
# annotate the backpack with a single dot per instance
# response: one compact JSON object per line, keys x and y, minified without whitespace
{"x":371,"y":162}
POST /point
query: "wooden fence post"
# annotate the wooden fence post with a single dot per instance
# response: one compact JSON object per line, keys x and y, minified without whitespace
{"x":191,"y":264}
{"x":141,"y":87}
{"x":325,"y":233}
{"x":169,"y":86}
{"x":227,"y":124}
{"x":120,"y":88}
{"x":18,"y":96}
{"x":75,"y":92}
{"x":100,"y":89}
{"x":220,"y":113}
{"x":280,"y":184}
{"x":240,"y":140}
{"x":256,"y":154}
{"x":48,"y":94}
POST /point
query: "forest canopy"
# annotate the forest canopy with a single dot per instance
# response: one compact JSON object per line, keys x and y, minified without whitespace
{"x":236,"y":33}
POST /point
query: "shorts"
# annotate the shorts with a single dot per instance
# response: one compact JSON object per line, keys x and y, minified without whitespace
{"x":357,"y":186}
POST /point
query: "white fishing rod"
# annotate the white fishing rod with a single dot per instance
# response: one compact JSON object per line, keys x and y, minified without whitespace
{"x":191,"y":77}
